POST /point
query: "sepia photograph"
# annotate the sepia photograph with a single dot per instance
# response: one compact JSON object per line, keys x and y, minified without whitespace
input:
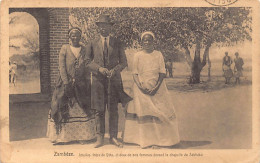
{"x":160,"y":80}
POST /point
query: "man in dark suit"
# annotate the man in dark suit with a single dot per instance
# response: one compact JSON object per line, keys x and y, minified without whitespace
{"x":108,"y":60}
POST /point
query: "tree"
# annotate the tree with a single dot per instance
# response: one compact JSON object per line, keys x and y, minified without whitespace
{"x":13,"y":19}
{"x":180,"y":28}
{"x":30,"y":39}
{"x":205,"y":26}
{"x":24,"y":40}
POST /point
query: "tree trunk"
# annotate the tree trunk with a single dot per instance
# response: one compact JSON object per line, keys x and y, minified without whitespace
{"x":195,"y":73}
{"x":197,"y":65}
{"x":209,"y":69}
{"x":187,"y":56}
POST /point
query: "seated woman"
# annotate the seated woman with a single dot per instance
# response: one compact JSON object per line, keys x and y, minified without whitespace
{"x":150,"y":118}
{"x":71,"y":117}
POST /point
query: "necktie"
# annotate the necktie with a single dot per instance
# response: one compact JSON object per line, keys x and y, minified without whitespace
{"x":105,"y":52}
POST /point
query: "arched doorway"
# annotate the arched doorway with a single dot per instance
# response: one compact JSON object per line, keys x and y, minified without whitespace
{"x":24,"y":60}
{"x":39,"y":46}
{"x":28,"y":112}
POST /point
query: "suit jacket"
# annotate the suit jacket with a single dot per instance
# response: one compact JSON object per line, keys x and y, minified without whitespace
{"x":117,"y":62}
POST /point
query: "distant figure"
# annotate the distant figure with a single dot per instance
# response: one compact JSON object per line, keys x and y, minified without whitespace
{"x":9,"y":72}
{"x":12,"y":72}
{"x":169,"y":68}
{"x":238,"y":67}
{"x":226,"y":67}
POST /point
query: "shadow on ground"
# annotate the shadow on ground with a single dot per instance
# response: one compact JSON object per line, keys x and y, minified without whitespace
{"x":216,"y":83}
{"x":182,"y":145}
{"x":189,"y":144}
{"x":28,"y":120}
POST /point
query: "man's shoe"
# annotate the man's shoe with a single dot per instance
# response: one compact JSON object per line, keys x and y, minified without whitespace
{"x":116,"y":142}
{"x":99,"y":142}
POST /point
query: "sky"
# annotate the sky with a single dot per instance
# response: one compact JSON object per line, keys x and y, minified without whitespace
{"x":25,"y":23}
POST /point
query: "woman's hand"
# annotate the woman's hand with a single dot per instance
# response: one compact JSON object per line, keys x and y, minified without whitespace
{"x":144,"y":90}
{"x":153,"y":91}
{"x":139,"y":85}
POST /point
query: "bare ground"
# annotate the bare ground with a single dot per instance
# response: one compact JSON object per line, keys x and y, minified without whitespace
{"x":216,"y":119}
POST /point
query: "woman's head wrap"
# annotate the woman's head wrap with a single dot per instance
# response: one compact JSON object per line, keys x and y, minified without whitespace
{"x":147,"y":33}
{"x":75,"y":29}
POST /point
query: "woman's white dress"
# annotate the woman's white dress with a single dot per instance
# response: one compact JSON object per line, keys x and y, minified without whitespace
{"x":150,"y":120}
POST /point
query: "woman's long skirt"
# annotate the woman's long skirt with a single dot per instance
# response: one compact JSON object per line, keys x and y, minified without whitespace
{"x":227,"y":72}
{"x":78,"y":127}
{"x":151,"y":120}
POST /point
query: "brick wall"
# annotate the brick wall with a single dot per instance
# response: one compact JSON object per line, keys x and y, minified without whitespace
{"x":59,"y":25}
{"x":44,"y":50}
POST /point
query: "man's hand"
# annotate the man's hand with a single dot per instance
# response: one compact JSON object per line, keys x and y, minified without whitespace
{"x":103,"y":71}
{"x":111,"y":73}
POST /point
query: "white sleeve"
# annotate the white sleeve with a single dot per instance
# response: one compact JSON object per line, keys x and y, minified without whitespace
{"x":135,"y":64}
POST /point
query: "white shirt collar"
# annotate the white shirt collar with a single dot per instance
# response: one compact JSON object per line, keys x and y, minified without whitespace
{"x":103,"y":39}
{"x":75,"y":51}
